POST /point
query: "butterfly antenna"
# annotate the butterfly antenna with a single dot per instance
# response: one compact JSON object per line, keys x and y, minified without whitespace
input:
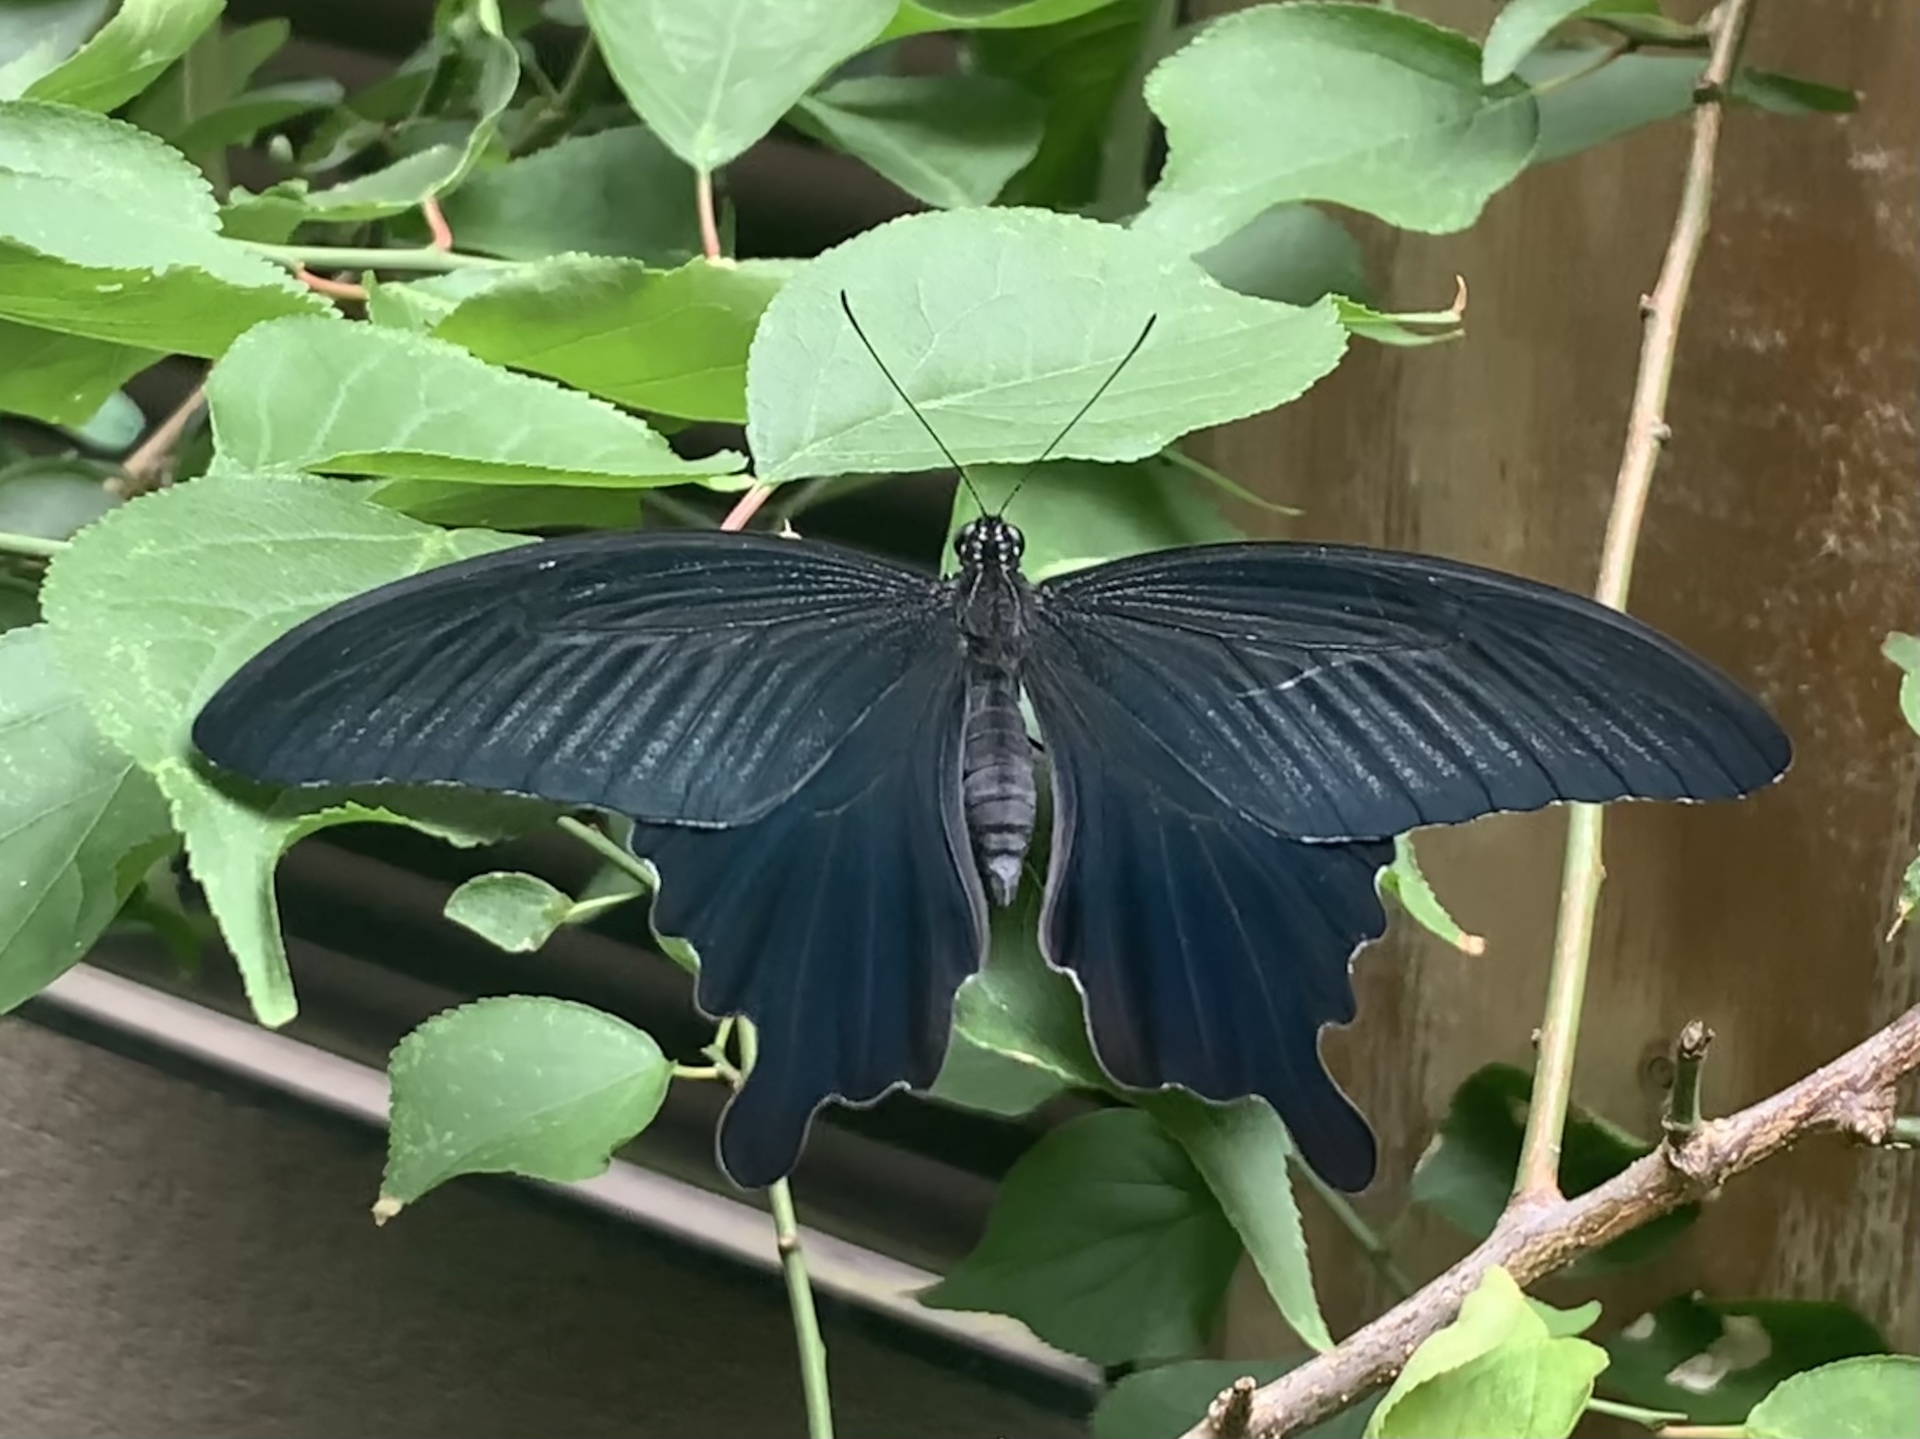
{"x":932,"y":434}
{"x":1080,"y":413}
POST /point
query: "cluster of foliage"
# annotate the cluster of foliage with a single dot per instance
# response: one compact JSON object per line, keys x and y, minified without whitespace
{"x":535,"y":377}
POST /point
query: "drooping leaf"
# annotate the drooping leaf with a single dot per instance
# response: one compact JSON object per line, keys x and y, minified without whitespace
{"x":1523,"y":24}
{"x":1291,"y":253}
{"x":516,"y":912}
{"x":1241,"y":1150}
{"x":1105,"y":1241}
{"x":710,"y":77}
{"x":63,"y":379}
{"x":1467,"y":1173}
{"x":546,"y":1088}
{"x":1714,"y":1361}
{"x":1404,"y":881}
{"x":320,"y":395}
{"x":950,"y":140}
{"x":672,"y":341}
{"x":1001,"y":324}
{"x":79,"y":823}
{"x":107,"y":233}
{"x":1869,"y":1398}
{"x":619,"y":192}
{"x":1354,"y":104}
{"x":1497,"y":1369}
{"x":126,"y":54}
{"x":146,"y":646}
{"x":36,"y":37}
{"x":1163,"y":1402}
{"x":1406,"y":328}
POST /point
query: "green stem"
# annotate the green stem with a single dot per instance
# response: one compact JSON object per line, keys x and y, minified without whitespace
{"x":1633,"y":1413}
{"x":1683,"y":1100}
{"x":1379,"y":1253}
{"x":1538,"y":1177}
{"x":347,"y":257}
{"x":31,"y":545}
{"x":1179,"y":458}
{"x":1606,"y":57}
{"x":1904,"y":1132}
{"x":609,"y":849}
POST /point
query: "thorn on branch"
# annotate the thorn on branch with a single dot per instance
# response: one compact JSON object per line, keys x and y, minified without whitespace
{"x":1232,"y":1411}
{"x":1683,"y":1101}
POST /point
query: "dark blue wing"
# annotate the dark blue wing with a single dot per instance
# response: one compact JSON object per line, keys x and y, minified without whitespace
{"x":1335,"y":693}
{"x":690,"y":677}
{"x":1211,"y":950}
{"x":841,"y":921}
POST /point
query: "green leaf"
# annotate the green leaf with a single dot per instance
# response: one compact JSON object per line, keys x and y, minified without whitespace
{"x":63,"y":379}
{"x":672,"y":341}
{"x":1353,"y":104}
{"x":1496,"y":1369}
{"x":155,"y":604}
{"x":950,"y":140}
{"x":36,"y":35}
{"x":1075,"y":514}
{"x":214,"y":69}
{"x":1875,"y":1398}
{"x":315,"y":394}
{"x":1904,"y":651}
{"x":127,"y":54}
{"x":545,"y":1088}
{"x":53,"y":497}
{"x":79,"y":823}
{"x":1714,"y":1361}
{"x":1105,"y":1241}
{"x":516,"y":912}
{"x":1467,"y":1173}
{"x":1291,"y":253}
{"x":1084,"y":69}
{"x":1001,"y":324}
{"x":710,"y":77}
{"x":510,"y":507}
{"x":620,"y":192}
{"x":1162,"y":1403}
{"x":1403,"y":881}
{"x":1523,"y":24}
{"x":917,"y":18}
{"x":1241,"y":1150}
{"x":108,"y":234}
{"x":1410,"y":328}
{"x":1566,"y":1323}
{"x":1019,"y":1028}
{"x":113,"y":429}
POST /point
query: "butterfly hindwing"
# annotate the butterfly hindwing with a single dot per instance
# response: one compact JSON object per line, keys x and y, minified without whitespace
{"x":841,"y":921}
{"x":1338,"y":693}
{"x":1211,"y":950}
{"x":680,"y":677}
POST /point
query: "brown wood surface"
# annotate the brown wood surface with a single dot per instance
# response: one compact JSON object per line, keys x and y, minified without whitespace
{"x":1783,"y":541}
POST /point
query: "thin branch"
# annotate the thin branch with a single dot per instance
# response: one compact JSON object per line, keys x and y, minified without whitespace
{"x":806,"y":1322}
{"x":347,"y":257}
{"x":1852,"y":1095}
{"x":1538,"y":1178}
{"x":32,"y":547}
{"x":1683,"y":1100}
{"x":709,"y":222}
{"x":439,"y":232}
{"x":331,"y":288}
{"x":746,"y":507}
{"x":150,"y":466}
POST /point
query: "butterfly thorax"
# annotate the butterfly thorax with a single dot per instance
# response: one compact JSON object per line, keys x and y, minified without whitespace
{"x":997,"y":781}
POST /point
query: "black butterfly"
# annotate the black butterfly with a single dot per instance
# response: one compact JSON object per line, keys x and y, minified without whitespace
{"x":826,"y":761}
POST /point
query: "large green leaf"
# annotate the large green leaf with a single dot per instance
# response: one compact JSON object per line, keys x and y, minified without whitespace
{"x":1354,"y":104}
{"x":1105,"y":1241}
{"x":156,"y":603}
{"x":542,"y":1087}
{"x":710,"y":77}
{"x":1714,"y":1361}
{"x":950,"y":140}
{"x":107,"y":233}
{"x":1163,"y":1402}
{"x":1872,"y":1398}
{"x":79,"y":823}
{"x":37,"y":35}
{"x":127,"y":54}
{"x":1075,"y":514}
{"x":620,"y":192}
{"x":1001,"y":324}
{"x":1497,"y":1369}
{"x":1467,"y":1173}
{"x":60,"y":378}
{"x":917,"y":18}
{"x":672,"y":341}
{"x":1523,"y":24}
{"x":1292,"y":253}
{"x":1241,"y":1150}
{"x":314,"y":394}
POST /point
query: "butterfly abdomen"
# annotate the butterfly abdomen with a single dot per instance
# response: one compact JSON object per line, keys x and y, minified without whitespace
{"x":997,"y":784}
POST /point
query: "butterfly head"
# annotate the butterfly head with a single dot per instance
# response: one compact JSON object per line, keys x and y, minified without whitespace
{"x":989,"y":544}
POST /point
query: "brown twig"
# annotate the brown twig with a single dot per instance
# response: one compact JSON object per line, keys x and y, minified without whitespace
{"x":150,"y":466}
{"x":1537,"y":1180}
{"x":709,"y":221}
{"x":439,"y":233}
{"x":746,"y":507}
{"x":332,"y":289}
{"x":1853,"y":1095}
